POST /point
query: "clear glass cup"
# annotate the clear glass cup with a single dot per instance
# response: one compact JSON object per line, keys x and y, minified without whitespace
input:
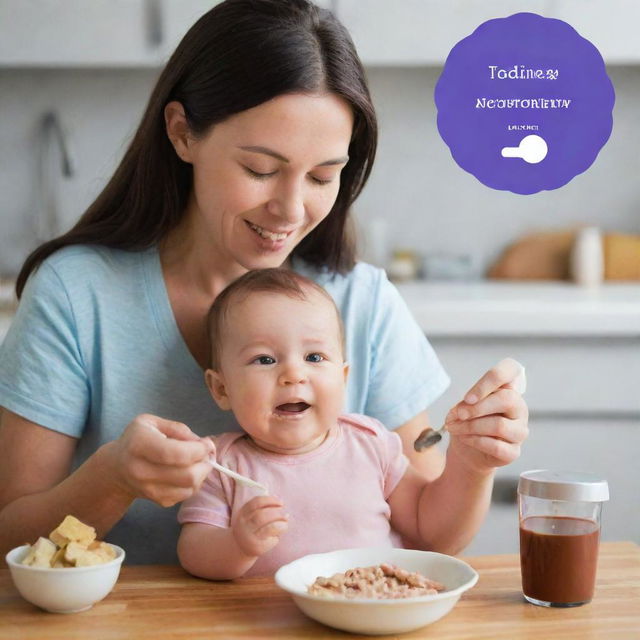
{"x":559,"y":516}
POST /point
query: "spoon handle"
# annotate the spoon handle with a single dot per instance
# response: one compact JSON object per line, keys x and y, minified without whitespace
{"x":247,"y":482}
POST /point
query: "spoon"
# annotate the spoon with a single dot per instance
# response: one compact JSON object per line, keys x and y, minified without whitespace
{"x":247,"y":482}
{"x":431,"y":436}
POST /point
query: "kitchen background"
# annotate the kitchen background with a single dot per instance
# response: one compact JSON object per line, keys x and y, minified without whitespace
{"x":74,"y":79}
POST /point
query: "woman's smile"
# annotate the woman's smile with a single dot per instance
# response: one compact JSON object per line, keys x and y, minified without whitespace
{"x":266,"y":239}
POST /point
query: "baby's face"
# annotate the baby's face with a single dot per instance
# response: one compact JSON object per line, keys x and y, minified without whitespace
{"x":282,"y":369}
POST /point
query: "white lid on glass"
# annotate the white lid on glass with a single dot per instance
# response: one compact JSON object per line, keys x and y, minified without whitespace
{"x":569,"y":486}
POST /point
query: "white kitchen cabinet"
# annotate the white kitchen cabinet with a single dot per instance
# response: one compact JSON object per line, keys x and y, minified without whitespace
{"x":611,"y":25}
{"x":143,"y":33}
{"x":565,"y":375}
{"x":103,"y":33}
{"x":96,"y":33}
{"x":177,"y":17}
{"x":422,"y":32}
{"x":77,"y":33}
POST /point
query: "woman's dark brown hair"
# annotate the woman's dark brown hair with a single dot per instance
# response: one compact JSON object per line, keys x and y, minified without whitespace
{"x":237,"y":56}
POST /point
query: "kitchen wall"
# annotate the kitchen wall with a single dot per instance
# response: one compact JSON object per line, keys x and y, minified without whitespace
{"x":99,"y":109}
{"x":434,"y":206}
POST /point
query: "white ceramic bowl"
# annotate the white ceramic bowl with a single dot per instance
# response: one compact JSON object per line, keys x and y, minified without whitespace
{"x":377,"y":617}
{"x":63,"y":590}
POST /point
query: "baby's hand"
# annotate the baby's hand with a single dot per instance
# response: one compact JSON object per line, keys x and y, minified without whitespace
{"x":259,"y":525}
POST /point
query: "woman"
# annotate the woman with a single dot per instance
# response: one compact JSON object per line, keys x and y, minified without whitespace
{"x":259,"y":135}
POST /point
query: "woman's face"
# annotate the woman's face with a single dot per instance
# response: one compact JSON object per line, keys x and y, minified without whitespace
{"x":265,"y":177}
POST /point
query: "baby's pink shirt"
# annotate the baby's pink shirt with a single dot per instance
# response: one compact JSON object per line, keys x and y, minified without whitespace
{"x":336,"y":495}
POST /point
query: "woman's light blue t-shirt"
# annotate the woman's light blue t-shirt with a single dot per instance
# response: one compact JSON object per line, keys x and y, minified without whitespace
{"x":95,"y":343}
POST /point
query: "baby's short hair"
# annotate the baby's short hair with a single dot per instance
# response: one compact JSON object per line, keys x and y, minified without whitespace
{"x":276,"y":280}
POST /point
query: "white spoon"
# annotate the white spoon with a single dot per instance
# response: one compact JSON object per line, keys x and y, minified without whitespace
{"x":247,"y":482}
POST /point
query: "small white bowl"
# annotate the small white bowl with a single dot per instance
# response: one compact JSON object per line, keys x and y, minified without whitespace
{"x":370,"y":616}
{"x":63,"y":590}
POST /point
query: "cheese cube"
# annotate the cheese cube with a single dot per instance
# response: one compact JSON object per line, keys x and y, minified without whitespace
{"x":72,"y":530}
{"x":102,"y":549}
{"x":40,"y":553}
{"x":78,"y":555}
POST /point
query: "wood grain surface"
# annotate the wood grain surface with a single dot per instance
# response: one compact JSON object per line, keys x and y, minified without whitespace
{"x":165,"y":602}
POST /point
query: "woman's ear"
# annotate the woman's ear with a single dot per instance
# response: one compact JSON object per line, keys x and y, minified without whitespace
{"x":178,"y":130}
{"x":217,"y":389}
{"x":346,"y":370}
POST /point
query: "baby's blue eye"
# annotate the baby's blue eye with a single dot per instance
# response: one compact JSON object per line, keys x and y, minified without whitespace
{"x":265,"y":360}
{"x":315,"y":357}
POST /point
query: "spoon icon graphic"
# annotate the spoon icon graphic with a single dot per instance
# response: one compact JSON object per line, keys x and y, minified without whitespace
{"x":532,"y":149}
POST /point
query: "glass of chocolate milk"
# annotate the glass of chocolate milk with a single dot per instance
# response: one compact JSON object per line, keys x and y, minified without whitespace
{"x":559,"y":535}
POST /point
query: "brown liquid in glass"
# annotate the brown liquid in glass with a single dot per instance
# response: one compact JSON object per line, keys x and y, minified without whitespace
{"x":558,"y":558}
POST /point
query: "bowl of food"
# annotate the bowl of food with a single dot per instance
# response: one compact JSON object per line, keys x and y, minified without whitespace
{"x":376,"y":591}
{"x":69,"y":571}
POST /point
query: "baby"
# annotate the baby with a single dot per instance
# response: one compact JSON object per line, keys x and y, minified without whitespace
{"x":336,"y":481}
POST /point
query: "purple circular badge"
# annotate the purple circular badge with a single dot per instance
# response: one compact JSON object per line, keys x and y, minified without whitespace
{"x":524,"y":103}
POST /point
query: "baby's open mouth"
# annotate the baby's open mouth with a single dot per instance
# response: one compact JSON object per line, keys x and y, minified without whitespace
{"x":292,"y":407}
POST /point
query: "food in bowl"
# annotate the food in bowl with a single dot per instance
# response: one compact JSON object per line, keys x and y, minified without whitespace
{"x":71,"y":544}
{"x":383,"y":581}
{"x":375,"y":616}
{"x":69,"y":571}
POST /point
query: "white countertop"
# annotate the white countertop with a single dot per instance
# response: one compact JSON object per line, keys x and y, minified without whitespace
{"x":502,"y":308}
{"x":508,"y":308}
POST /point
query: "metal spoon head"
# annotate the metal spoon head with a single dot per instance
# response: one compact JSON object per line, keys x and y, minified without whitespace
{"x":427,"y":439}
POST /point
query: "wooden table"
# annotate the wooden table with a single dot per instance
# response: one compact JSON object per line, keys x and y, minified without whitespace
{"x":165,"y":602}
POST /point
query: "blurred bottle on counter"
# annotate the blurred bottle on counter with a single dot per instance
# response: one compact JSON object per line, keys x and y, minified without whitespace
{"x":376,"y":235}
{"x":8,"y":300}
{"x":404,"y":265}
{"x":587,"y":258}
{"x":451,"y":266}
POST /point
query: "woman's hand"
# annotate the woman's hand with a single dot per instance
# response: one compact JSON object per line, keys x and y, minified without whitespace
{"x":489,"y":426}
{"x":160,"y":460}
{"x":259,"y":525}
